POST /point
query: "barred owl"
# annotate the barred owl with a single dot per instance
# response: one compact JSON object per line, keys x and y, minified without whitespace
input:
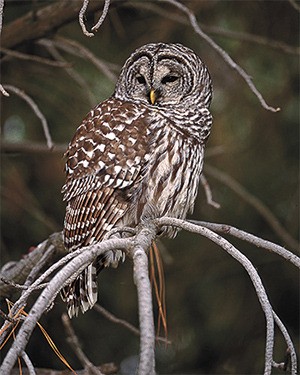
{"x":141,"y":148}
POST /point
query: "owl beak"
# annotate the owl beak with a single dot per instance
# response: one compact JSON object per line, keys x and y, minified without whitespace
{"x":152,"y":96}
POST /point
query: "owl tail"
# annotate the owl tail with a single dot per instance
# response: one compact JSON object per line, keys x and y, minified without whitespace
{"x":82,"y":292}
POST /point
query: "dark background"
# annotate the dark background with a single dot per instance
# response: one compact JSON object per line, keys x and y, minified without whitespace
{"x":215,"y":322}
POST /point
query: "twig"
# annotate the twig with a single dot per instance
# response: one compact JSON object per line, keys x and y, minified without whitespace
{"x":35,"y":109}
{"x":244,"y":261}
{"x":259,"y":242}
{"x":291,"y":350}
{"x":2,"y":90}
{"x":100,"y":21}
{"x":142,"y":245}
{"x":32,"y":147}
{"x":38,"y":59}
{"x":111,"y":317}
{"x":264,"y":211}
{"x":29,"y":364}
{"x":46,"y":19}
{"x":224,"y":54}
{"x":36,"y":269}
{"x":73,"y":74}
{"x":76,"y":346}
{"x":295,"y":5}
{"x":103,"y":15}
{"x":77,"y":49}
{"x":19,"y":286}
{"x":208,"y":192}
{"x":241,"y":36}
{"x":67,"y":273}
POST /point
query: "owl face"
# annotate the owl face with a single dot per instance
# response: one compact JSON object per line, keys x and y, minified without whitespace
{"x":163,"y":75}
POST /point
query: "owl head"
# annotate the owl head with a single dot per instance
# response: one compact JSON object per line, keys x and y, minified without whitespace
{"x":165,"y":75}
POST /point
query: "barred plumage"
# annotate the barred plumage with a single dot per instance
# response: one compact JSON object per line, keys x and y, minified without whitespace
{"x":142,"y":148}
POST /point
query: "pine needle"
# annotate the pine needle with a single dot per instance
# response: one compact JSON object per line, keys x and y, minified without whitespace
{"x":158,"y":286}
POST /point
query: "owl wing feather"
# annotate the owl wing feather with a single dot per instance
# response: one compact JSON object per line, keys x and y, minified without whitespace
{"x":104,"y":159}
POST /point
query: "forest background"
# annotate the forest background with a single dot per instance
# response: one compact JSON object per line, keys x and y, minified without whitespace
{"x":215,"y":321}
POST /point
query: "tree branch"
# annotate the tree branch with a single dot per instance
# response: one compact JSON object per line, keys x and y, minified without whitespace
{"x":35,"y":109}
{"x":264,"y":211}
{"x":141,"y":247}
{"x":63,"y":277}
{"x":37,"y":24}
{"x":222,"y":53}
{"x":100,"y":21}
{"x":137,"y":247}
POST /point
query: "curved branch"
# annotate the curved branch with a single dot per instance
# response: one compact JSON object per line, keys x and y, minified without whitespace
{"x":264,"y":211}
{"x":35,"y":109}
{"x":100,"y":21}
{"x":244,"y":261}
{"x":222,"y":53}
{"x":245,"y":236}
{"x":70,"y":271}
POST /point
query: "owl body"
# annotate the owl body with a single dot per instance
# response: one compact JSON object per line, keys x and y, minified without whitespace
{"x":138,"y":153}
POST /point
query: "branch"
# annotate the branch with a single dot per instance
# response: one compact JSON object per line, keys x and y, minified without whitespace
{"x":37,"y":24}
{"x":264,"y":211}
{"x":222,"y":53}
{"x":100,"y":21}
{"x":259,"y":242}
{"x":38,"y":59}
{"x":257,"y":283}
{"x":142,"y":245}
{"x":35,"y":109}
{"x":114,"y":319}
{"x":75,"y":344}
{"x":18,"y":271}
{"x":32,"y":147}
{"x":77,"y":49}
{"x":137,"y":247}
{"x":247,"y":37}
{"x":63,"y":277}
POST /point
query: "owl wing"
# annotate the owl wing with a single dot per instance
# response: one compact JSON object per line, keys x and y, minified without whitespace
{"x":104,"y":160}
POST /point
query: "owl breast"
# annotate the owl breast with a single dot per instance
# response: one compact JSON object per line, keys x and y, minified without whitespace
{"x":170,"y":182}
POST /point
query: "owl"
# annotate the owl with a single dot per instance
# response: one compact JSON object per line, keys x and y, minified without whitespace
{"x":137,"y":152}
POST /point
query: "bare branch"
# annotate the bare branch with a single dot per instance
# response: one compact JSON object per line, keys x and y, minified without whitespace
{"x":73,"y":74}
{"x":63,"y":277}
{"x":291,"y":350}
{"x":103,"y":15}
{"x":259,"y":242}
{"x":34,"y":25}
{"x":35,"y":109}
{"x":247,"y":37}
{"x":29,"y":364}
{"x":77,"y":49}
{"x":38,"y":59}
{"x":19,"y":271}
{"x":75,"y":344}
{"x":142,"y":245}
{"x":264,"y":211}
{"x":32,"y":147}
{"x":100,"y":21}
{"x":257,"y":283}
{"x":208,"y":192}
{"x":81,"y":15}
{"x":221,"y":52}
{"x":295,"y":5}
{"x":114,"y":319}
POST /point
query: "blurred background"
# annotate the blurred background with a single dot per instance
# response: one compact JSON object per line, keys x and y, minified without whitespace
{"x":215,"y":322}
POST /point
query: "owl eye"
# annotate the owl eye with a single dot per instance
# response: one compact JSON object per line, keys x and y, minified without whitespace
{"x":169,"y":79}
{"x":141,"y":79}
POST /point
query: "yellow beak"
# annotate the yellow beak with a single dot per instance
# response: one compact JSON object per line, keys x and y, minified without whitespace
{"x":152,"y":96}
